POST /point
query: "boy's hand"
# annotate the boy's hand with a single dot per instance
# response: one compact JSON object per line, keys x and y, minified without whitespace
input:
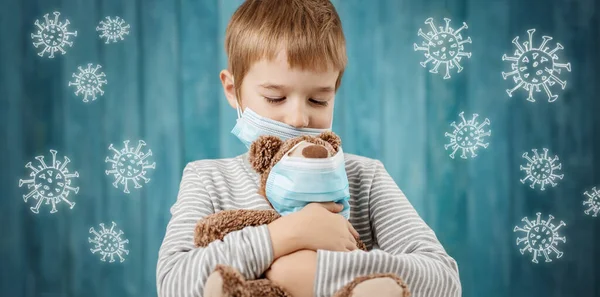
{"x":320,"y":227}
{"x":316,"y":226}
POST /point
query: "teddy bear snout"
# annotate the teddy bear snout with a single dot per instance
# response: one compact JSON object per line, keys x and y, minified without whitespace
{"x":314,"y":152}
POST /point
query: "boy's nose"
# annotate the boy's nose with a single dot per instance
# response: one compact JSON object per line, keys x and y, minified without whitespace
{"x":297,"y":118}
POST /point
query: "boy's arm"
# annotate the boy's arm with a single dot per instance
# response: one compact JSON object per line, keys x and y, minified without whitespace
{"x":408,"y":247}
{"x":182,"y":269}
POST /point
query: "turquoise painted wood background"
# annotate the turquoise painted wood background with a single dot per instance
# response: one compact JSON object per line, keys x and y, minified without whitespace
{"x":163,"y":88}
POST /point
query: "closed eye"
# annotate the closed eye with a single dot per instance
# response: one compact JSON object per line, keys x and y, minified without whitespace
{"x":277,"y":100}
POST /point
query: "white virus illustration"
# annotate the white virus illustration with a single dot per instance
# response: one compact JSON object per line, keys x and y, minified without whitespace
{"x":468,"y":136}
{"x":89,"y":82}
{"x":51,"y":184}
{"x":541,"y":237}
{"x":443,"y":45}
{"x":109,"y":243}
{"x":53,"y":35}
{"x":535,"y":67}
{"x":541,"y":169}
{"x":593,"y":202}
{"x":129,"y":164}
{"x":113,"y":29}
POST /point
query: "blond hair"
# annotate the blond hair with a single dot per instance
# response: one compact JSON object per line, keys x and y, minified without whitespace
{"x":310,"y":31}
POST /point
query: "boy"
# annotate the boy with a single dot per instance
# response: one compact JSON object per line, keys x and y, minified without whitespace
{"x":285,"y":63}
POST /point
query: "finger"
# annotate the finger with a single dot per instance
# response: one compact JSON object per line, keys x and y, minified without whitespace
{"x":350,"y":246}
{"x":339,"y":207}
{"x":352,"y":230}
{"x":353,"y":240}
{"x":332,"y":206}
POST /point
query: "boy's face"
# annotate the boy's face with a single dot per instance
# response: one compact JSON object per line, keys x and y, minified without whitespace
{"x":300,"y":98}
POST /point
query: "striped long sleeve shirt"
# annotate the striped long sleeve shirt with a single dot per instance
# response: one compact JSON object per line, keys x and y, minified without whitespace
{"x":397,"y":239}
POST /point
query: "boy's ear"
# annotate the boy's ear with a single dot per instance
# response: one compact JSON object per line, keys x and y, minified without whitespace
{"x":332,"y":138}
{"x":262,"y":151}
{"x":228,"y":87}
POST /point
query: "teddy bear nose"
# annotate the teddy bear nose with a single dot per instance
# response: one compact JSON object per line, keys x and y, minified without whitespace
{"x":314,"y":152}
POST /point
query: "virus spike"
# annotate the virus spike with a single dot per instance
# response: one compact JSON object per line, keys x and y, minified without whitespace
{"x":447,"y":75}
{"x":545,"y":40}
{"x":468,"y":40}
{"x":563,"y":84}
{"x":515,"y":41}
{"x":447,"y":29}
{"x":140,"y":144}
{"x":507,"y":58}
{"x":424,"y":63}
{"x":429,"y":21}
{"x":42,"y":163}
{"x":111,"y":147}
{"x":510,"y":91}
{"x":530,"y":42}
{"x":420,"y":33}
{"x":435,"y":68}
{"x":464,"y":26}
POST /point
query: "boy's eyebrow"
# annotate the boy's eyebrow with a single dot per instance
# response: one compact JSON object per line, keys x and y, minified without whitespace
{"x":282,"y":87}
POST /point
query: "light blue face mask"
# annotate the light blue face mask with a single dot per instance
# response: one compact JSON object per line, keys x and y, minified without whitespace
{"x":251,"y":125}
{"x":295,"y":181}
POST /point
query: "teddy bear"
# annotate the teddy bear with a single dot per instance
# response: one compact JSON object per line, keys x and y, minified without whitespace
{"x":264,"y":153}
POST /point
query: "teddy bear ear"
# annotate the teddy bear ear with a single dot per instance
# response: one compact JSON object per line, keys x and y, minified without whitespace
{"x":262,"y":151}
{"x":332,"y":138}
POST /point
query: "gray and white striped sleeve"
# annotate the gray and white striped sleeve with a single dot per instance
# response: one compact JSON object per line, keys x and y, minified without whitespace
{"x":407,"y":247}
{"x":182,"y":269}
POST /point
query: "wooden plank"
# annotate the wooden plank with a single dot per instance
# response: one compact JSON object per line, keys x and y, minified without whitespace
{"x":362,"y":130}
{"x":161,"y":125}
{"x":229,"y":145}
{"x":490,"y":236}
{"x":445,"y":195}
{"x":13,"y":211}
{"x":47,"y":241}
{"x":200,"y":85}
{"x":403,"y":121}
{"x":123,"y":103}
{"x":571,"y":126}
{"x":84,"y":143}
{"x":339,"y":109}
{"x":530,"y":129}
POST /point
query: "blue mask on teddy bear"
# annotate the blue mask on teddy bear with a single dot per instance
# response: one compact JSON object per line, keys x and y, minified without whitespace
{"x":294,"y":181}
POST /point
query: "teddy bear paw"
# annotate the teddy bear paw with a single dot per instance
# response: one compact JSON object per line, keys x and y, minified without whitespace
{"x":381,"y":285}
{"x":224,"y":282}
{"x":214,"y":285}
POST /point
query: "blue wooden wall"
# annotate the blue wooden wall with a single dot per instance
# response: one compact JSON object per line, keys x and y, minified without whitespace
{"x":163,"y":88}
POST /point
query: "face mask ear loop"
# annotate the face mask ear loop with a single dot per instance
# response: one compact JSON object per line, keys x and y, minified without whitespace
{"x":238,"y":109}
{"x":332,"y":114}
{"x":286,"y":155}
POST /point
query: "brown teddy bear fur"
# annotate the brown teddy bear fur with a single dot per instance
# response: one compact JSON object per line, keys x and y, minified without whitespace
{"x":264,"y":153}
